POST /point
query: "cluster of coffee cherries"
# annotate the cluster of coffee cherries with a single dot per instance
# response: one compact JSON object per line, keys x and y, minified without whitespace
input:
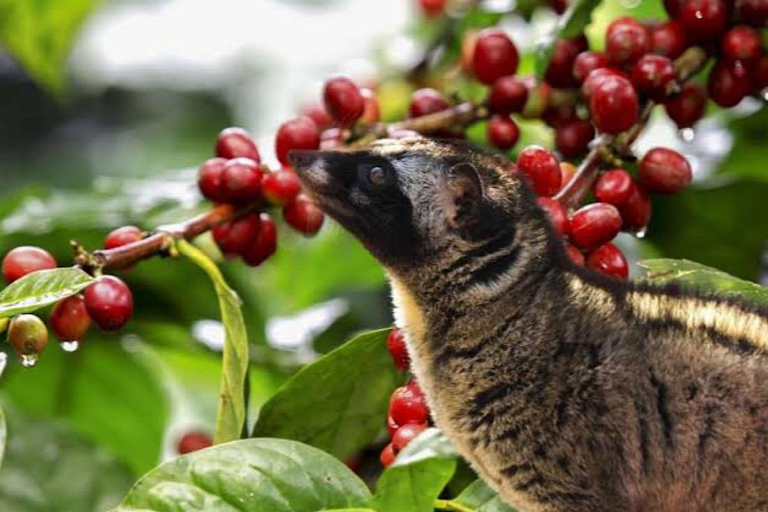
{"x":108,"y":303}
{"x":408,"y":411}
{"x":236,"y":176}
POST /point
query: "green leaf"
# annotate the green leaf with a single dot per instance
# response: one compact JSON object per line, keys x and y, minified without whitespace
{"x":339,"y":402}
{"x":430,"y":443}
{"x":40,"y":289}
{"x":231,"y":416}
{"x":40,"y":34}
{"x":478,"y":497}
{"x":572,"y":24}
{"x":49,"y":468}
{"x":255,"y":475}
{"x":3,"y":435}
{"x":704,"y":278}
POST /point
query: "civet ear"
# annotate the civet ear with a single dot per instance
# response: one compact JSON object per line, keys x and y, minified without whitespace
{"x":463,"y":196}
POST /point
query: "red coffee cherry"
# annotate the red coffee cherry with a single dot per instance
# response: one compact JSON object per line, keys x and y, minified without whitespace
{"x":397,"y":349}
{"x":69,"y":319}
{"x":235,"y":236}
{"x":542,"y":169}
{"x":636,"y":211}
{"x":123,"y":236}
{"x":264,"y":244}
{"x":432,"y":8}
{"x":664,"y":171}
{"x":241,"y":180}
{"x":668,"y":39}
{"x":704,"y":20}
{"x":608,"y":260}
{"x":560,"y":68}
{"x":371,"y":112}
{"x":405,"y":434}
{"x":760,"y":73}
{"x":494,"y":56}
{"x":556,"y":214}
{"x":24,"y":260}
{"x":614,"y":105}
{"x":407,"y":405}
{"x":586,"y":62}
{"x":387,"y":456}
{"x":594,"y":224}
{"x":572,"y":138}
{"x":653,"y":76}
{"x":508,"y":94}
{"x":729,"y":82}
{"x":614,"y":187}
{"x":596,"y":77}
{"x":209,"y":180}
{"x":626,"y":41}
{"x":575,"y":255}
{"x":280,"y":187}
{"x":555,"y":116}
{"x":343,"y":101}
{"x":235,"y":142}
{"x":427,"y":101}
{"x":673,"y":7}
{"x":687,"y":107}
{"x":319,"y":115}
{"x":27,"y":335}
{"x":503,"y":132}
{"x":754,"y":12}
{"x":303,"y":216}
{"x":298,"y":133}
{"x":109,"y":303}
{"x":192,"y":442}
{"x":741,"y":43}
{"x":391,"y":426}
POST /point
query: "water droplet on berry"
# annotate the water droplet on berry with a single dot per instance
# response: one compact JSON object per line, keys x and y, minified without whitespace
{"x":3,"y":362}
{"x":641,"y":233}
{"x":28,"y":360}
{"x":687,"y":134}
{"x":69,"y":346}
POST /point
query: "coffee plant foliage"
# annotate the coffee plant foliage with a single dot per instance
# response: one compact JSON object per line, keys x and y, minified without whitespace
{"x":298,"y":428}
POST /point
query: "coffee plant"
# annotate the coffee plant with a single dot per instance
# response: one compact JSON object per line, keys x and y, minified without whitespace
{"x":349,"y":429}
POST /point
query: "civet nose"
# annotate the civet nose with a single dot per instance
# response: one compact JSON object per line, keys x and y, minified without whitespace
{"x":302,"y":159}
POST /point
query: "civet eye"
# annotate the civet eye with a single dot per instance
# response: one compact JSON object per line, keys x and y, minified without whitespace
{"x":375,"y":176}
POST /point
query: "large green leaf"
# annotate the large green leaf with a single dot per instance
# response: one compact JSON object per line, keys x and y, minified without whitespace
{"x":49,"y":468}
{"x":704,"y":278}
{"x":339,"y":402}
{"x":747,"y":156}
{"x":478,"y":497}
{"x":255,"y":475}
{"x":231,"y":417}
{"x":40,"y":34}
{"x":3,"y":435}
{"x":40,"y":289}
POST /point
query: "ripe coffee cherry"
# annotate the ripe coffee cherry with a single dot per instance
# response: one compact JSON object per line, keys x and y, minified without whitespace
{"x":303,"y":216}
{"x":426,"y":101}
{"x":626,"y":41}
{"x":572,"y":137}
{"x":343,"y":101}
{"x":319,"y":115}
{"x":494,"y":56}
{"x":407,"y":405}
{"x":397,"y":349}
{"x":281,"y":187}
{"x":729,"y":82}
{"x":264,"y":244}
{"x":653,"y":76}
{"x":542,"y":169}
{"x":556,"y":214}
{"x":432,"y":8}
{"x":192,"y":442}
{"x":614,"y":187}
{"x":687,"y":107}
{"x":241,"y":180}
{"x":596,"y":77}
{"x":209,"y":180}
{"x":387,"y":456}
{"x":405,"y":434}
{"x":586,"y":62}
{"x":609,"y":260}
{"x":741,"y":43}
{"x":298,"y":133}
{"x":69,"y":319}
{"x":754,"y":12}
{"x":574,"y":254}
{"x":371,"y":111}
{"x":25,"y":260}
{"x":109,"y":303}
{"x":123,"y":236}
{"x":235,"y":142}
{"x":508,"y":94}
{"x":704,"y":20}
{"x":664,"y":171}
{"x":594,"y":224}
{"x":503,"y":132}
{"x":391,"y":426}
{"x":27,"y":335}
{"x":614,"y":105}
{"x":560,"y":69}
{"x":673,"y":7}
{"x":235,"y":236}
{"x":668,"y":39}
{"x":760,"y":73}
{"x":636,"y":211}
